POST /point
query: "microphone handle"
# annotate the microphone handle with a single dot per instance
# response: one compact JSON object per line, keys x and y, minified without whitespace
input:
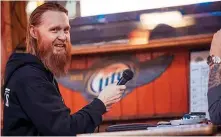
{"x":122,"y":81}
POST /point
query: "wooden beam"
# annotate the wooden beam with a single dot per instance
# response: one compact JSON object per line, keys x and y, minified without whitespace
{"x":19,"y":23}
{"x":6,"y":25}
{"x":191,"y":42}
{"x":6,"y":40}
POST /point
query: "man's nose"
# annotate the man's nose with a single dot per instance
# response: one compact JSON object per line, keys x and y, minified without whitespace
{"x":62,"y":36}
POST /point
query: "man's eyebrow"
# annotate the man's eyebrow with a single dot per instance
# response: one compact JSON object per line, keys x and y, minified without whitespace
{"x":59,"y":27}
{"x":68,"y":27}
{"x":55,"y":26}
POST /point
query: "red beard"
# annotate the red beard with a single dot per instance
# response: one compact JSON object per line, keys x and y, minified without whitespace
{"x":58,"y":64}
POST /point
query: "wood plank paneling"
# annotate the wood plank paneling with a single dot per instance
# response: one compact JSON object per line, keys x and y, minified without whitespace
{"x":114,"y":112}
{"x":178,"y":81}
{"x":73,"y":99}
{"x":145,"y":94}
{"x":129,"y":104}
{"x":19,"y":25}
{"x":67,"y":96}
{"x":77,"y":99}
{"x":162,"y":90}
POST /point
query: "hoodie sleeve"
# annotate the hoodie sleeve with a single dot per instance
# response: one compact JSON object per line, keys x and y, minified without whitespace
{"x":214,"y":104}
{"x":44,"y":106}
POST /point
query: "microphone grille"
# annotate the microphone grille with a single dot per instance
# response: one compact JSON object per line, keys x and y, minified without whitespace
{"x":128,"y":74}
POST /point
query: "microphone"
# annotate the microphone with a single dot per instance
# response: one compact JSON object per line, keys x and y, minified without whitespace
{"x":127,"y":75}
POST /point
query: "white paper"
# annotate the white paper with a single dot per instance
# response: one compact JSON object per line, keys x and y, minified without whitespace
{"x":199,"y":72}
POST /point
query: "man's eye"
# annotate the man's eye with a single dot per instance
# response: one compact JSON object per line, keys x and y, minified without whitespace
{"x":54,"y":29}
{"x":66,"y":30}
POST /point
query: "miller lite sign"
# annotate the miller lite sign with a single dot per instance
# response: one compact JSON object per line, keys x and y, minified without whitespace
{"x":90,"y":82}
{"x":105,"y":76}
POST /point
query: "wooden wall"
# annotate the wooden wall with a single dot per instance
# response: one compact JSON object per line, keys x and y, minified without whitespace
{"x":165,"y":96}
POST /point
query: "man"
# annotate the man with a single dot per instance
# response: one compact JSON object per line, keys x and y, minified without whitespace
{"x":32,"y":101}
{"x":214,"y":86}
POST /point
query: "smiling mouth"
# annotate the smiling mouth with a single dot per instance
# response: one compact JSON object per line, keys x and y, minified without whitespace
{"x":60,"y":45}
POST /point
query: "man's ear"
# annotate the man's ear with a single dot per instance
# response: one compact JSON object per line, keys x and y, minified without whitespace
{"x":33,"y":32}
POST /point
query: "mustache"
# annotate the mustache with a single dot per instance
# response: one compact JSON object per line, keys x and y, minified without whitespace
{"x":59,"y":42}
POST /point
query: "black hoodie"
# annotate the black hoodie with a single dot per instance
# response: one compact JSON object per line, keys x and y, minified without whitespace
{"x":33,"y":104}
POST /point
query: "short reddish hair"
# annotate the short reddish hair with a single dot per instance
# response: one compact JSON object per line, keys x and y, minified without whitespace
{"x":35,"y":20}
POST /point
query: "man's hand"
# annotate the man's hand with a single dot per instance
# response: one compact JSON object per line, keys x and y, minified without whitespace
{"x":111,"y":94}
{"x":215,"y":48}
